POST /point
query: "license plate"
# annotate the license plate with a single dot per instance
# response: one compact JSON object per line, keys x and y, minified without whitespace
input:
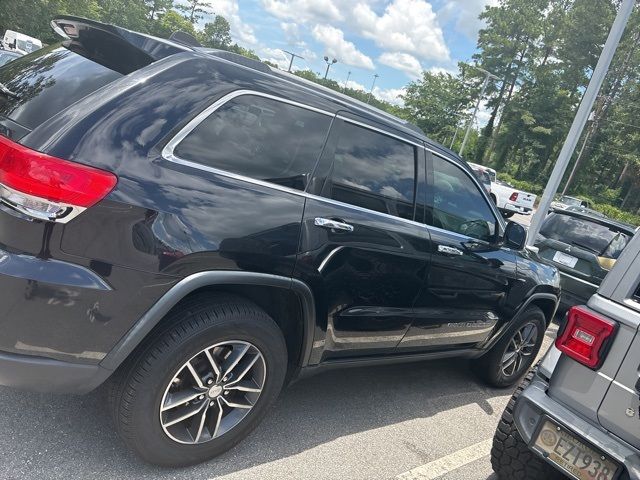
{"x":579,"y":460}
{"x":564,"y":259}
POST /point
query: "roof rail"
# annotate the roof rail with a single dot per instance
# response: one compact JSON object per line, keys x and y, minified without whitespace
{"x":361,"y":105}
{"x":237,"y":58}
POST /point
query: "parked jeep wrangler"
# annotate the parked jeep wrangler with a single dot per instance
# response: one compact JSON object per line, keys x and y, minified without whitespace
{"x":578,"y":412}
{"x":200,"y":229}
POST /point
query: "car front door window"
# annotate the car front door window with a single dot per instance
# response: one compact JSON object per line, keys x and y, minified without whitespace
{"x":458,"y":206}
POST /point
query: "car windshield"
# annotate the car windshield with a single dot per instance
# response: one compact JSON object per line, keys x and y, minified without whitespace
{"x":602,"y":240}
{"x":571,"y":201}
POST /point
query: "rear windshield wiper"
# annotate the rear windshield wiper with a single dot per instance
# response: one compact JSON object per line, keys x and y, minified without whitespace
{"x":5,"y":91}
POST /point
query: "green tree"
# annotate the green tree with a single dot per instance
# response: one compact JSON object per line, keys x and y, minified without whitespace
{"x":193,"y":10}
{"x":437,"y":104}
{"x":171,"y":22}
{"x":216,"y":34}
{"x":157,"y":7}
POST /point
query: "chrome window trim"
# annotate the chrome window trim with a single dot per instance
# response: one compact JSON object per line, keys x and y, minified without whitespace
{"x":380,"y":130}
{"x":169,"y":155}
{"x":167,"y":151}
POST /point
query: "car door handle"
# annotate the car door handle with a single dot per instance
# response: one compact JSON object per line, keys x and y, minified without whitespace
{"x":333,"y":224}
{"x":447,"y":250}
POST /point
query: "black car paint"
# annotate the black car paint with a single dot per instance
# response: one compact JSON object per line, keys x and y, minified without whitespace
{"x":165,"y":223}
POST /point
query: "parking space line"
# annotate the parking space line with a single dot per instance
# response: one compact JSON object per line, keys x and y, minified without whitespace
{"x":448,"y":463}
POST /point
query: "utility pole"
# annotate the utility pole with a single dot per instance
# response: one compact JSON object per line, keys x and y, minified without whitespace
{"x":293,"y":55}
{"x":347,"y":80}
{"x":487,"y":76}
{"x":375,"y":77}
{"x":582,"y":115}
{"x":329,"y":63}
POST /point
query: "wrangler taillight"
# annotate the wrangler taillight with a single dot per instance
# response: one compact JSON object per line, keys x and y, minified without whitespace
{"x":514,"y":196}
{"x":46,"y":187}
{"x":586,"y":336}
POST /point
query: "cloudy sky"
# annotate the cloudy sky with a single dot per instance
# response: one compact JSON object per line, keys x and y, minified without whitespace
{"x":395,"y":39}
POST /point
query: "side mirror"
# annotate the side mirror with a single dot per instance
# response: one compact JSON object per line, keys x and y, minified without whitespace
{"x":515,"y":236}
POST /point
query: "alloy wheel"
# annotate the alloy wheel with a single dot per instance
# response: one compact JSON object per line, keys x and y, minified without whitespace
{"x":519,"y":349}
{"x":212,"y":392}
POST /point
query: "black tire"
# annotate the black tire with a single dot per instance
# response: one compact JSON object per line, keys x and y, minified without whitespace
{"x":138,"y":388}
{"x":489,"y":367}
{"x":511,"y":457}
{"x":507,"y":214}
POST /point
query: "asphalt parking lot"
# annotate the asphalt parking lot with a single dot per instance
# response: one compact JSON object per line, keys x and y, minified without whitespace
{"x":433,"y":420}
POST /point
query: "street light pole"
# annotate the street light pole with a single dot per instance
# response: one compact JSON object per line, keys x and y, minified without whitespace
{"x":375,"y":77}
{"x":487,"y":75}
{"x":293,"y":55}
{"x":329,"y":63}
{"x":347,"y":80}
{"x":582,"y":115}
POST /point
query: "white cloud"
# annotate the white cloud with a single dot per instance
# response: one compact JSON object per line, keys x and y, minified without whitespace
{"x":336,"y":46}
{"x":464,"y":14}
{"x":391,"y":95}
{"x":403,"y":62}
{"x":303,"y":10}
{"x":292,"y":33}
{"x":274,"y":55}
{"x":354,"y":85}
{"x":229,"y":9}
{"x":408,"y":26}
{"x":438,"y":69}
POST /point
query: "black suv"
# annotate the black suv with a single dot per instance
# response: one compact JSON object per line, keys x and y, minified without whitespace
{"x":200,"y":230}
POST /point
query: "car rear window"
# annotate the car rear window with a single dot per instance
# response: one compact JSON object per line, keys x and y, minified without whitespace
{"x":45,"y":83}
{"x":600,"y":239}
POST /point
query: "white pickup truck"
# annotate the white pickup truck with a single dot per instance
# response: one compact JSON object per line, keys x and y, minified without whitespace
{"x":508,"y":199}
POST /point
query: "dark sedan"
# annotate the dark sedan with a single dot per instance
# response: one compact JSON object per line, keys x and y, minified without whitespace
{"x":584,"y":248}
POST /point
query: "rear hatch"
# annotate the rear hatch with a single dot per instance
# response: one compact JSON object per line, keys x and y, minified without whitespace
{"x":581,"y":247}
{"x":620,"y":410}
{"x":38,"y":86}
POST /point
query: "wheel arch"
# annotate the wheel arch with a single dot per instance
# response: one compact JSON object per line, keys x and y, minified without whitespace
{"x":251,"y":285}
{"x":547,"y":302}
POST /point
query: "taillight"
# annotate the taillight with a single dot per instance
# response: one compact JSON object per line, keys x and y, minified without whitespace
{"x":46,"y":187}
{"x":513,"y":197}
{"x":586,"y":337}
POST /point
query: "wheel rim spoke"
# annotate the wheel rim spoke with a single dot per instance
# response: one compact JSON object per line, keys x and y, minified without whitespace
{"x":234,"y":359}
{"x":243,"y":388}
{"x":179,"y":399}
{"x":195,"y":375}
{"x":212,"y":392}
{"x":182,"y":418}
{"x":214,"y":365}
{"x":235,"y":404}
{"x":218,"y":420}
{"x":246,"y":370}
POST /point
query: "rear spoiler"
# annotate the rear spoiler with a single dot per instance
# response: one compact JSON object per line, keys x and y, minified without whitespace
{"x":116,"y":48}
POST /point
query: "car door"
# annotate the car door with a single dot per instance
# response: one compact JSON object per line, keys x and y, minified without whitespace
{"x":469,"y":276}
{"x":363,"y":254}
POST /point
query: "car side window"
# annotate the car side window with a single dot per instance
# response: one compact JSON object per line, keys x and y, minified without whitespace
{"x":457,"y":204}
{"x":260,"y":138}
{"x":374,"y":171}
